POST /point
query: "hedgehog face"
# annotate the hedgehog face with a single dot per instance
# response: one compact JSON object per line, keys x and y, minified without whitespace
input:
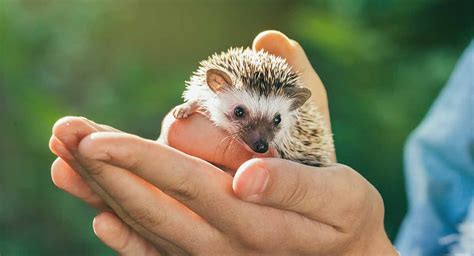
{"x":255,"y":120}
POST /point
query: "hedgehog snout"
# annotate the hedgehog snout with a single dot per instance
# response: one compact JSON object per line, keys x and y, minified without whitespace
{"x":257,"y":141}
{"x":260,"y":146}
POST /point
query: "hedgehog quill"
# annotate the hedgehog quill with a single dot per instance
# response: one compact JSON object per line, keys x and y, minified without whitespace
{"x":261,"y":103}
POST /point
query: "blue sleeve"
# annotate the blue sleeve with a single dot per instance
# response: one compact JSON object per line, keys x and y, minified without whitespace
{"x":439,"y":167}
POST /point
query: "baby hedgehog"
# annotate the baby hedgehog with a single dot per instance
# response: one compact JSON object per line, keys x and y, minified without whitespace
{"x":259,"y":101}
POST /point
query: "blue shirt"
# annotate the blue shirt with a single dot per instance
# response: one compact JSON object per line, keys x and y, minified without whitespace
{"x":439,"y":171}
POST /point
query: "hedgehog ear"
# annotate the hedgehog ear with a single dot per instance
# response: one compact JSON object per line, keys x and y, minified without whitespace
{"x":217,"y":79}
{"x":299,"y":95}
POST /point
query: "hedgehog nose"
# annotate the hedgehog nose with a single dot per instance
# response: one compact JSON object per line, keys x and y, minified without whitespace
{"x":260,"y":146}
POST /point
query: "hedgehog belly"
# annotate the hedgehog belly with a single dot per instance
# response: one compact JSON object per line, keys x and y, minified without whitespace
{"x":309,"y":141}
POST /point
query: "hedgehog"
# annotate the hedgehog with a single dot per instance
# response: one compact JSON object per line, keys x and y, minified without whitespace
{"x":261,"y":103}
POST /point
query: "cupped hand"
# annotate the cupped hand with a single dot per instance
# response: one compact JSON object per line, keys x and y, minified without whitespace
{"x":189,"y":204}
{"x":196,"y":135}
{"x":184,"y":205}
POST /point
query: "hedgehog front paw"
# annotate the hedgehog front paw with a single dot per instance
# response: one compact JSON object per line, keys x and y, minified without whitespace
{"x":183,"y":111}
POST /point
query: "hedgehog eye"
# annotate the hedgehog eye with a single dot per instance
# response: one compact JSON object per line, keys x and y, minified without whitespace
{"x":277,"y":120}
{"x":239,"y":111}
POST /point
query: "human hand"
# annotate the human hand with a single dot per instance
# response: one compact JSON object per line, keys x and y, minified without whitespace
{"x":116,"y":227}
{"x":208,"y":142}
{"x":189,"y":205}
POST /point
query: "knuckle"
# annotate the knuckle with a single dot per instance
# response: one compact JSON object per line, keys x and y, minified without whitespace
{"x":95,"y":168}
{"x":346,"y":170}
{"x":146,"y":217}
{"x":183,"y":189}
{"x":359,"y":195}
{"x":133,"y":161}
{"x":376,"y":207}
{"x":132,"y":158}
{"x":353,"y":180}
{"x":296,"y":195}
{"x":357,"y":184}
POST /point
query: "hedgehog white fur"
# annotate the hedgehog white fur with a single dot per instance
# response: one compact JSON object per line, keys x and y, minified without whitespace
{"x":259,"y":100}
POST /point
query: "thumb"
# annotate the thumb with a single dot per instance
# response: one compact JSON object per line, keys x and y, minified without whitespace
{"x":320,"y":194}
{"x":279,"y":44}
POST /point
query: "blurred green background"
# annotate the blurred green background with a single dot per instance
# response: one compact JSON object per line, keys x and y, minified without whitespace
{"x":124,"y":63}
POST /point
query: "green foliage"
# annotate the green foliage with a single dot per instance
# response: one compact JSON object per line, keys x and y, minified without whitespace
{"x":124,"y":63}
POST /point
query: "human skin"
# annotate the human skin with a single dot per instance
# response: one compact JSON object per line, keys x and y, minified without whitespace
{"x":176,"y":202}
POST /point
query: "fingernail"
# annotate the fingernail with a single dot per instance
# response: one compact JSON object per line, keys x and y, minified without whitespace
{"x":256,"y":182}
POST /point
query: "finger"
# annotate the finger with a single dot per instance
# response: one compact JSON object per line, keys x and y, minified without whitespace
{"x":326,"y":194}
{"x":120,"y":237}
{"x":65,"y":178}
{"x":67,"y":132}
{"x":68,"y":179}
{"x":146,"y":208}
{"x":279,"y":44}
{"x":57,"y":147}
{"x":199,"y":137}
{"x":71,"y":129}
{"x":199,"y":185}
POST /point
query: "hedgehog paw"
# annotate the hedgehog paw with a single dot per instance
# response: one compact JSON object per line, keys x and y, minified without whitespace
{"x":182,"y":111}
